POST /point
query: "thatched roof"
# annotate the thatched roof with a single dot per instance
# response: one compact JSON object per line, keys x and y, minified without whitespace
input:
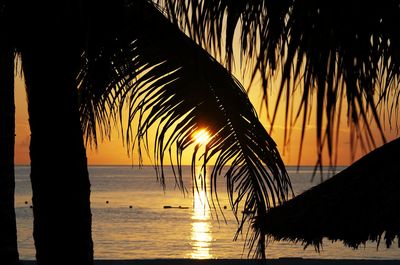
{"x":358,"y":204}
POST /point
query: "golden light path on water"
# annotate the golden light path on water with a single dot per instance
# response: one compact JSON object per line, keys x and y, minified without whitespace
{"x":201,"y":235}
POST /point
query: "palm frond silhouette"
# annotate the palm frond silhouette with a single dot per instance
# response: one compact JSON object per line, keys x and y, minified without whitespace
{"x":341,"y":54}
{"x":170,"y":83}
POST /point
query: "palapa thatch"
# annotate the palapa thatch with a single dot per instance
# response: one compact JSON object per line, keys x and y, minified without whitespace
{"x":360,"y":203}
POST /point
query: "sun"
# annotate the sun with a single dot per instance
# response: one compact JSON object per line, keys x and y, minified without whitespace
{"x":201,"y":137}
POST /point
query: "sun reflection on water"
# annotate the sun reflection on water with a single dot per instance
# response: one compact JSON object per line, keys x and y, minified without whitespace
{"x":201,"y":236}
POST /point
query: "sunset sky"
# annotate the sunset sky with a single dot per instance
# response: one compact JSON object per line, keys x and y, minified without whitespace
{"x":114,"y":153}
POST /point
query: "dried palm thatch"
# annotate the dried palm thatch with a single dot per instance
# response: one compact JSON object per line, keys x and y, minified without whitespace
{"x":360,"y":203}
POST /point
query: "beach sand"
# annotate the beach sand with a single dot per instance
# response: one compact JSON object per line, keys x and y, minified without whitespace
{"x":281,"y":261}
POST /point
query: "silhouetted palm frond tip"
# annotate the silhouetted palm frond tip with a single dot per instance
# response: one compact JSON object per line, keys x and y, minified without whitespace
{"x":171,"y":84}
{"x":339,"y":49}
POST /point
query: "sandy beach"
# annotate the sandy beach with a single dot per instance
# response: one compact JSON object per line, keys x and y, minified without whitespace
{"x":281,"y":261}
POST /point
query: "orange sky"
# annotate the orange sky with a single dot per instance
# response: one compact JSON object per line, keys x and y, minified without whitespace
{"x":114,"y":153}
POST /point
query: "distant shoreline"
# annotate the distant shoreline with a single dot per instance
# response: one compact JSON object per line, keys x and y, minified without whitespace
{"x":281,"y":261}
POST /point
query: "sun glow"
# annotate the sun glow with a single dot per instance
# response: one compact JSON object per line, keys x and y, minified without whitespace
{"x":201,"y":136}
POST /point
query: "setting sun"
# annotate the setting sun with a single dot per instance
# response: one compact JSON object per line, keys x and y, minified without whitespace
{"x":201,"y":136}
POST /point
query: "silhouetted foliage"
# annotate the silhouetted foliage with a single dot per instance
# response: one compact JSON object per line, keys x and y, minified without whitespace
{"x":329,"y":50}
{"x":178,"y":91}
{"x":137,"y":59}
{"x":134,"y":58}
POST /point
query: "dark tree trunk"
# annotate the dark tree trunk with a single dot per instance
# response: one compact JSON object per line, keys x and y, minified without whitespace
{"x":8,"y":229}
{"x":59,"y":175}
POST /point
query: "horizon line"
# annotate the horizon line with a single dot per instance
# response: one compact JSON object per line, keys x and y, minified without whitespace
{"x":152,"y":165}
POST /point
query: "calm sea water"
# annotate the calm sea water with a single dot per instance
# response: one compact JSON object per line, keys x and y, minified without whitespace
{"x":135,"y":225}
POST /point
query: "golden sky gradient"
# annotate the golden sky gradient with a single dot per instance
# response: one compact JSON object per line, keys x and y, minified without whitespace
{"x":114,"y":153}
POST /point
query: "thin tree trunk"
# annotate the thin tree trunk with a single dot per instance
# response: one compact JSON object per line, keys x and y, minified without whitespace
{"x":8,"y":230}
{"x":59,"y":175}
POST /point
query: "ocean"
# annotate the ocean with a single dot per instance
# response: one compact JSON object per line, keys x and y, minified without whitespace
{"x":131,"y":222}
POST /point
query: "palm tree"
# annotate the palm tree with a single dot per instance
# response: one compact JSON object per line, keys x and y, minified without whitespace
{"x":179,"y":91}
{"x":8,"y":230}
{"x":59,"y":175}
{"x":344,"y":53}
{"x":338,"y":59}
{"x":130,"y":60}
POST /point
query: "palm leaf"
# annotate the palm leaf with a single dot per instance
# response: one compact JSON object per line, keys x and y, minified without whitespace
{"x":335,"y":50}
{"x":171,"y":84}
